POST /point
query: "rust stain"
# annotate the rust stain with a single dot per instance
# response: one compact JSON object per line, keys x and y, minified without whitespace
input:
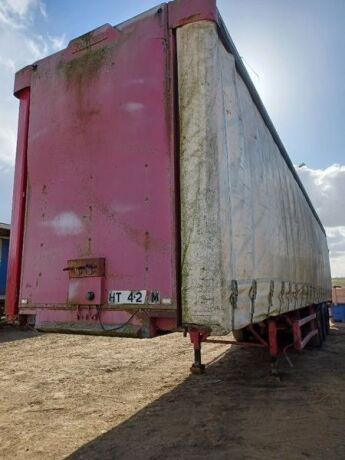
{"x":147,"y":241}
{"x":37,"y":279}
{"x":117,"y":276}
{"x":142,"y":237}
{"x":139,"y":236}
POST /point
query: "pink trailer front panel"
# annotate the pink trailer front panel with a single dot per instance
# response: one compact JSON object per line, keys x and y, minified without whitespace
{"x":100,"y":181}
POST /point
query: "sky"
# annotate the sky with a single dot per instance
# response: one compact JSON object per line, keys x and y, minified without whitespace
{"x":293,"y":50}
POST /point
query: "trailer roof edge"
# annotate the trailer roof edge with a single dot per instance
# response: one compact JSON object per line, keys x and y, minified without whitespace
{"x":260,"y":106}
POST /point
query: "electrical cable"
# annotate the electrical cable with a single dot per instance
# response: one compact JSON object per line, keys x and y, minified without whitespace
{"x":99,"y":310}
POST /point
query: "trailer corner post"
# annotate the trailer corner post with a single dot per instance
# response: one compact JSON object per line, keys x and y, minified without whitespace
{"x":188,"y":11}
{"x":18,"y":207}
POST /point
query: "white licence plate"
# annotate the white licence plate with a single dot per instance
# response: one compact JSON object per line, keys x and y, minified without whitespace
{"x":127,"y":297}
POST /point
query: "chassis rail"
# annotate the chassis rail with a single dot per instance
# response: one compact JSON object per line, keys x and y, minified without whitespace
{"x":296,"y":329}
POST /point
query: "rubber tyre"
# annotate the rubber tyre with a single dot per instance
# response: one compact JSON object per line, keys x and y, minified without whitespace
{"x":238,"y":335}
{"x":323,"y":321}
{"x":241,"y":335}
{"x":327,"y":322}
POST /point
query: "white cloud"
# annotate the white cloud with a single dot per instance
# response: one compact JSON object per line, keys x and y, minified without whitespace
{"x":20,"y":13}
{"x":326,"y":188}
{"x":57,"y":43}
{"x":20,"y":45}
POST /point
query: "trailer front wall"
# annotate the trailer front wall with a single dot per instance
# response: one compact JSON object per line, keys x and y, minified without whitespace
{"x":251,"y":245}
{"x":101,"y":170}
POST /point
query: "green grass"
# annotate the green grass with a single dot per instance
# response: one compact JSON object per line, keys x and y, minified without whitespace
{"x":338,"y":282}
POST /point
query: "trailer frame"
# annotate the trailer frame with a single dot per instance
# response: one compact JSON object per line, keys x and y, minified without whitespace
{"x":308,"y":325}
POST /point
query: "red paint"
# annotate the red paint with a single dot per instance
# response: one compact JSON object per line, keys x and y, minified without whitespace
{"x":272,"y":338}
{"x":18,"y":208}
{"x":101,"y":158}
{"x":290,"y":322}
{"x":165,"y":324}
{"x":22,"y":81}
{"x":197,"y":336}
{"x":78,"y":289}
{"x":187,"y":11}
{"x":102,"y":170}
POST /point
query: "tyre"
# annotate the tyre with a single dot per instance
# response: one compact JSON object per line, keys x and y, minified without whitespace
{"x":326,"y":316}
{"x":323,"y":321}
{"x":242,"y":335}
{"x":238,"y":335}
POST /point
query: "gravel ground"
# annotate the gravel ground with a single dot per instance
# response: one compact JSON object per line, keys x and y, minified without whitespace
{"x":82,"y":397}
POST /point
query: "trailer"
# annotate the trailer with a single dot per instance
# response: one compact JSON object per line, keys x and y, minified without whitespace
{"x":153,"y":193}
{"x":4,"y":247}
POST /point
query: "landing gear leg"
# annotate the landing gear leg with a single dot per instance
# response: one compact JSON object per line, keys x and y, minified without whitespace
{"x":197,"y":336}
{"x":197,"y":366}
{"x":274,"y":371}
{"x":273,"y":347}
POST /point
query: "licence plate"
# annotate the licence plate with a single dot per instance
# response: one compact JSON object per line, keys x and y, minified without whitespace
{"x":127,"y":297}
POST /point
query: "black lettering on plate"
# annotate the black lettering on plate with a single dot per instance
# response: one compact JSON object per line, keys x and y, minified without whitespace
{"x":139,"y":296}
{"x":154,"y":297}
{"x":112,"y":297}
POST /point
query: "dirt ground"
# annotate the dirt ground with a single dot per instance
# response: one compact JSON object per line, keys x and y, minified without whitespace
{"x":82,"y":397}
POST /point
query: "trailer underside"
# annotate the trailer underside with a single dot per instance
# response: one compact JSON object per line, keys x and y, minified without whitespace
{"x":295,"y":329}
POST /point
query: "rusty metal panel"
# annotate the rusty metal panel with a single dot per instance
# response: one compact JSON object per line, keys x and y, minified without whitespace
{"x":101,"y":166}
{"x":81,"y":268}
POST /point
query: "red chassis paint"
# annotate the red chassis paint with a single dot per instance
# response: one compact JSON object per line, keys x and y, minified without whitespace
{"x":301,"y":325}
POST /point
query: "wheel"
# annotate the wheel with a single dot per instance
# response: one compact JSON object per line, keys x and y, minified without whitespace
{"x":241,"y":335}
{"x":317,"y":340}
{"x":238,"y":335}
{"x":326,"y":316}
{"x":323,"y":321}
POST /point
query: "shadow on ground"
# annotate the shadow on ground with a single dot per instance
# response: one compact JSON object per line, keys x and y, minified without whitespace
{"x":235,"y":411}
{"x":10,"y":334}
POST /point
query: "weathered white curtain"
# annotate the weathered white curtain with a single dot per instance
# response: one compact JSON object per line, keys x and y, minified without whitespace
{"x":251,"y":246}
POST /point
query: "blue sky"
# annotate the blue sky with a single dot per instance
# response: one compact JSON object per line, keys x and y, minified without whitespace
{"x":294,"y":52}
{"x":296,"y":48}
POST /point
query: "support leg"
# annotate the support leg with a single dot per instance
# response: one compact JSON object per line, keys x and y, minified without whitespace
{"x":272,"y":338}
{"x":273,"y":346}
{"x":196,"y":337}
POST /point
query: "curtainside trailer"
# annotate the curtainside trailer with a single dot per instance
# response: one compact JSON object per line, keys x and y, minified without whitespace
{"x":153,"y":193}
